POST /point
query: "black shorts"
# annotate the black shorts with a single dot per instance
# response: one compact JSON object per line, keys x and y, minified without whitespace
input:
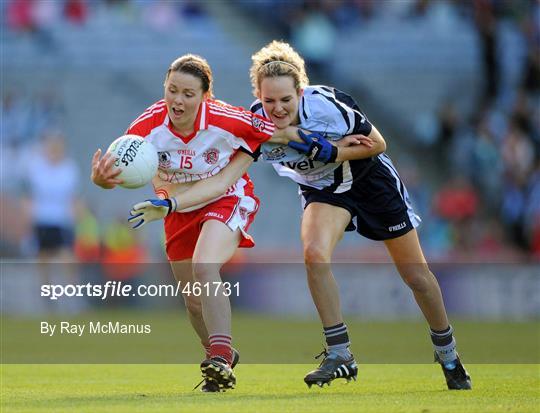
{"x":52,"y":237}
{"x":378,"y":202}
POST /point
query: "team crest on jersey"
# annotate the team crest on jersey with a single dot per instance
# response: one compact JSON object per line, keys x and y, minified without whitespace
{"x":243,"y":212}
{"x":211,"y":156}
{"x":164,"y":159}
{"x":257,"y":124}
{"x":275,"y":154}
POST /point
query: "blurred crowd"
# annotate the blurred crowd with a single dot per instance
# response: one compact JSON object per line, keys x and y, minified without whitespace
{"x":51,"y":218}
{"x":45,"y":215}
{"x":37,"y":17}
{"x":490,"y":203}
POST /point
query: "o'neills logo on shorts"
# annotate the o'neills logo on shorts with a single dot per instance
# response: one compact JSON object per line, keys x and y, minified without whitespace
{"x":257,"y":124}
{"x":214,"y":215}
{"x":211,"y":156}
{"x":397,"y":227}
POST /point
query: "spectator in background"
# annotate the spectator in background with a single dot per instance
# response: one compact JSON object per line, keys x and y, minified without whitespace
{"x":123,"y":255}
{"x":52,"y":180}
{"x":19,"y":16}
{"x":486,"y":162}
{"x":76,"y":11}
{"x":532,"y":212}
{"x":458,"y":203}
{"x":16,"y":115}
{"x":47,"y":112}
{"x":46,"y":15}
{"x":518,"y":153}
{"x":160,"y":15}
{"x":314,"y":35}
{"x":87,"y":245}
{"x":486,"y":23}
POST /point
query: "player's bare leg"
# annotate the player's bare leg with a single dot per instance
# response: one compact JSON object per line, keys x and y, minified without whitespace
{"x":215,"y":246}
{"x":322,"y":228}
{"x":414,"y":270}
{"x":183,"y":273}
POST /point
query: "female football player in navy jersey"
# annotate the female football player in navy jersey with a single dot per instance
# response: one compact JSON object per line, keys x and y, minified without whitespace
{"x":339,"y":185}
{"x":196,"y":137}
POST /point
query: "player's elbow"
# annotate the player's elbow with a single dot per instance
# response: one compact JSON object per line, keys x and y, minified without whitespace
{"x":379,"y":142}
{"x":380,"y":147}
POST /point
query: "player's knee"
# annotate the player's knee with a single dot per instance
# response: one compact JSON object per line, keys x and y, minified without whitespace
{"x":316,"y":253}
{"x":193,"y":306}
{"x":204,"y":271}
{"x":418,"y":278}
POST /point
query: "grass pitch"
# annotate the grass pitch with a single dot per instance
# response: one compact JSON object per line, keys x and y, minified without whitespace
{"x":407,"y":383}
{"x":382,"y":388}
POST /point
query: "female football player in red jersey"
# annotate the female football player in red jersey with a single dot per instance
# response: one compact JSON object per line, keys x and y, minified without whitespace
{"x":196,"y":137}
{"x":340,"y":185}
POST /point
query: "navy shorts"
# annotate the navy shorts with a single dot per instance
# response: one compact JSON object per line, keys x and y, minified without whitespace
{"x":52,"y":237}
{"x":377,"y":201}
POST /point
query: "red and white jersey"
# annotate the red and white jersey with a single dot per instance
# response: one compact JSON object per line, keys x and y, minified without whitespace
{"x":220,"y":130}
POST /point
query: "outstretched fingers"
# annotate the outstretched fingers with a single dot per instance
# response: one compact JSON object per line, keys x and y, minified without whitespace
{"x":352,"y":140}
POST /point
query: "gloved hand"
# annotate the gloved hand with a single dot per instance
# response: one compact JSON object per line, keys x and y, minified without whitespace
{"x":151,"y":210}
{"x":315,"y":146}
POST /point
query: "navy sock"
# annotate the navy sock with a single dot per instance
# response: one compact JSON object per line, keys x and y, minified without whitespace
{"x":444,"y":344}
{"x":337,"y":340}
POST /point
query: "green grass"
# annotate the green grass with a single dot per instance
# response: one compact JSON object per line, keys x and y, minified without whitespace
{"x":261,"y":339}
{"x":381,"y":388}
{"x":396,"y":373}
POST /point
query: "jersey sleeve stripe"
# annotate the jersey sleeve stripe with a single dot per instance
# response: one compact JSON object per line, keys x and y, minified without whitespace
{"x":145,"y":116}
{"x":359,"y":120}
{"x":246,"y":115}
{"x":270,"y":126}
{"x":304,"y":107}
{"x":155,"y":106}
{"x":228,"y":115}
{"x":226,"y":107}
{"x":234,"y":112}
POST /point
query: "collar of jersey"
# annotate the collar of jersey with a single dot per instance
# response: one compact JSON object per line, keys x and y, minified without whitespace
{"x":201,"y":123}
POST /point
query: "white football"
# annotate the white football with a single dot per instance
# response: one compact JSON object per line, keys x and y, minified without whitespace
{"x":137,"y":158}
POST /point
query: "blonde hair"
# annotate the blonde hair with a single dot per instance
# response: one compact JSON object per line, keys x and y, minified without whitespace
{"x":277,"y":59}
{"x":196,"y":66}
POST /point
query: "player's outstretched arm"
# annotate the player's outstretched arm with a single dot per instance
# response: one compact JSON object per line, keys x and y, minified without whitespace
{"x":285,"y":135}
{"x":316,"y":147}
{"x":209,"y":189}
{"x":351,"y":152}
{"x":199,"y":194}
{"x":291,"y":134}
{"x":104,"y":174}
